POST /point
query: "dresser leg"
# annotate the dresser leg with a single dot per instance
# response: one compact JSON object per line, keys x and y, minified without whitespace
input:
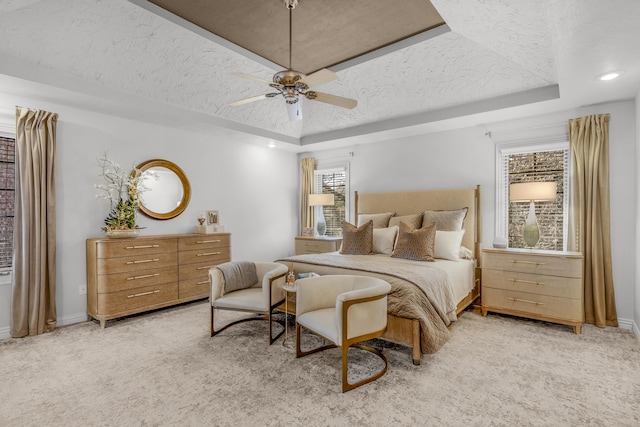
{"x":484,"y":312}
{"x":576,"y":329}
{"x":103,"y":323}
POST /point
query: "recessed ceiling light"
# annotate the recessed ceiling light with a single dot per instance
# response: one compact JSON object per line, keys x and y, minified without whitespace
{"x":610,"y":76}
{"x":271,"y":144}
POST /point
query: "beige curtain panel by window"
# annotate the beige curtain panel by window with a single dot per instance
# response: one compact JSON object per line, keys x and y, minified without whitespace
{"x":590,"y":231}
{"x":33,"y":304}
{"x":307,"y":187}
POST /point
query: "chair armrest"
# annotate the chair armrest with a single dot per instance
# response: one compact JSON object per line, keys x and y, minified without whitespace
{"x":317,"y":293}
{"x":217,"y":284}
{"x":362,"y":311}
{"x":272,"y":281}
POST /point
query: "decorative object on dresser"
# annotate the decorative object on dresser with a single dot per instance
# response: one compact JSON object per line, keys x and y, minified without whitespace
{"x":316,"y":245}
{"x":320,"y":200}
{"x":166,"y":189}
{"x":532,"y":192}
{"x":542,"y":285}
{"x":345,"y":310}
{"x":258,"y":289}
{"x":121,"y":189}
{"x":133,"y":275}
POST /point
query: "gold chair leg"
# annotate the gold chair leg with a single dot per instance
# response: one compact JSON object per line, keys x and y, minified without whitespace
{"x":300,"y":353}
{"x":268,"y":318}
{"x":346,"y":386}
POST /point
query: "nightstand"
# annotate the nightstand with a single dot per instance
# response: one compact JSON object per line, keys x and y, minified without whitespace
{"x":317,"y":245}
{"x":537,"y":284}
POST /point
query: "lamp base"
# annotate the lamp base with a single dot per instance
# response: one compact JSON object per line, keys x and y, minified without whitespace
{"x":531,"y":233}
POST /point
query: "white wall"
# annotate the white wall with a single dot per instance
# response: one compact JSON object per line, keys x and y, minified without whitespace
{"x":255,"y":188}
{"x":636,"y":316}
{"x":466,"y":157}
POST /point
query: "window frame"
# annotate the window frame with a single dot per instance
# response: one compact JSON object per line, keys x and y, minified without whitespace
{"x":505,"y":149}
{"x":7,"y":132}
{"x":336,"y":169}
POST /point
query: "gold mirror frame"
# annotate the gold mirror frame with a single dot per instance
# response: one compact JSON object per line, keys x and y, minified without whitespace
{"x":185,"y":186}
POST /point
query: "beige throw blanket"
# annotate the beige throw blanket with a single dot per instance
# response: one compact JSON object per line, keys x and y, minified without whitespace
{"x":419,"y":290}
{"x":238,"y":275}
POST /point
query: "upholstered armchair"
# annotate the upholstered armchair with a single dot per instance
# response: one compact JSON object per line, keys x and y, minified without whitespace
{"x":262,"y":297}
{"x":344,"y":310}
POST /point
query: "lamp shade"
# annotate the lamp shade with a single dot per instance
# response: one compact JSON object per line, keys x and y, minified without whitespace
{"x":536,"y":191}
{"x":321,"y":200}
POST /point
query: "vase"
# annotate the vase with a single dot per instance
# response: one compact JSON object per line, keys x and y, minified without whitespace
{"x":130,"y":232}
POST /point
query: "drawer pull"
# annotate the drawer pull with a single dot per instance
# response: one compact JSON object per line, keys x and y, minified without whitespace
{"x":526,"y":300}
{"x":311,"y":244}
{"x":143,"y":247}
{"x":206,"y":267}
{"x":143,"y":277}
{"x":199,"y":242}
{"x":515,"y":261}
{"x":526,"y":281}
{"x":142,"y":261}
{"x":209,"y":253}
{"x":143,"y":294}
{"x":203,"y":283}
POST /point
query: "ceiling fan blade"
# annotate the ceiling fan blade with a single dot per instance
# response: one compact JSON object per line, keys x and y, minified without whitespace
{"x":248,"y":100}
{"x":338,"y":101}
{"x":319,"y":77}
{"x":248,"y":77}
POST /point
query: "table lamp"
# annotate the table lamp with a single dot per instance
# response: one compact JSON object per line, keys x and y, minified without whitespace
{"x":320,"y":200}
{"x":532,"y":192}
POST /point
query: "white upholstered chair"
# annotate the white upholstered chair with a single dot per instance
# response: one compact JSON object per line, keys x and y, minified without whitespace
{"x":344,"y":310}
{"x":261,"y":298}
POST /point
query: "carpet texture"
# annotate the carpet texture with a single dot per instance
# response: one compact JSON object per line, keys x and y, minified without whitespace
{"x":162,"y":368}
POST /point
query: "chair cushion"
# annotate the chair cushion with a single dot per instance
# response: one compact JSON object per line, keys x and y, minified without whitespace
{"x":245,"y":299}
{"x":322,"y":322}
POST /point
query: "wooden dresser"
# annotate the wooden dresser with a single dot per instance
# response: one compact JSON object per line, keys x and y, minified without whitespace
{"x":543,"y":285}
{"x":133,"y":275}
{"x":317,"y":245}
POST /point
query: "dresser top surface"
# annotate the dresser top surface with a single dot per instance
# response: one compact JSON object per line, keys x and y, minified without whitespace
{"x":156,"y":236}
{"x":538,"y":252}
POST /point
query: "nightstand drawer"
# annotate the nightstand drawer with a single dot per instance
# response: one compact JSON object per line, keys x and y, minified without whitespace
{"x":556,"y":265}
{"x":316,"y":246}
{"x":565,"y":287}
{"x":525,"y":303}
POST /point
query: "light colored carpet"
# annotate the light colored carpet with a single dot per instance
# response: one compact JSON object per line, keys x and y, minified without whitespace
{"x":163,"y":368}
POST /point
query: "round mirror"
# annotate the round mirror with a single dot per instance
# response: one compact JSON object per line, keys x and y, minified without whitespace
{"x":165,"y":189}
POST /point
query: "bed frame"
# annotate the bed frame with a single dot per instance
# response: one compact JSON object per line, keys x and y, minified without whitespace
{"x":405,"y":331}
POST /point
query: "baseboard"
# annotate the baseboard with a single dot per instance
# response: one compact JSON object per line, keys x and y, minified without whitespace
{"x":627,"y":324}
{"x":63,"y":321}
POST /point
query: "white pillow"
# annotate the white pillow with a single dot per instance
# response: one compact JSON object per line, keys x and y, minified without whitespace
{"x":448,"y":244}
{"x":384,"y":239}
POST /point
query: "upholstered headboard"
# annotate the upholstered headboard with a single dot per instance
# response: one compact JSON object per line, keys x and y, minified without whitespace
{"x":415,"y":202}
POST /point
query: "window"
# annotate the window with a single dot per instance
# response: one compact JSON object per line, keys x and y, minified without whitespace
{"x":7,"y":199}
{"x":529,"y":163}
{"x":334,"y":181}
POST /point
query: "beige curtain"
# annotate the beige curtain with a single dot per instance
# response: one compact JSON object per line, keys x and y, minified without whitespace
{"x":590,"y":231}
{"x":307,"y":187}
{"x":33,"y":305}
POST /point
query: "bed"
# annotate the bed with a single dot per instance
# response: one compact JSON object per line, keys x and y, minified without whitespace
{"x":425,"y":296}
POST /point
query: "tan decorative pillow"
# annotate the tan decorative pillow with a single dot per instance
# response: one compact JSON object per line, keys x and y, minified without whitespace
{"x":415,"y":244}
{"x":380,"y":220}
{"x":357,"y":240}
{"x":445,"y":220}
{"x":413,"y":220}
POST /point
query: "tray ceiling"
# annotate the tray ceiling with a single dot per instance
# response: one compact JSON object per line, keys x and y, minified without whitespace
{"x":324,"y":33}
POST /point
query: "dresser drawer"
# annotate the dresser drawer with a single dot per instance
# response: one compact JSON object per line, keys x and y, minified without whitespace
{"x":199,"y":269}
{"x":146,"y":297}
{"x":136,"y":262}
{"x":204,"y":241}
{"x":134,"y":247}
{"x":533,"y":263}
{"x":197,"y":286}
{"x":525,"y":303}
{"x":316,"y":246}
{"x":131,"y":280}
{"x":565,"y":287}
{"x":205,"y":255}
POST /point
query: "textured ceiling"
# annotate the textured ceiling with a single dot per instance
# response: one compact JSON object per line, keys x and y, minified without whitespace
{"x":492,"y":57}
{"x":323,"y":33}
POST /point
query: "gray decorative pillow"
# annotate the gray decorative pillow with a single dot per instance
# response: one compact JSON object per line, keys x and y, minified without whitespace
{"x":380,"y":220}
{"x":415,"y":244}
{"x":357,"y":240}
{"x":445,"y":220}
{"x":413,"y":220}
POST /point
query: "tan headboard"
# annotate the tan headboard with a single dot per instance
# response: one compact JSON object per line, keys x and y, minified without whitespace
{"x":414,"y":202}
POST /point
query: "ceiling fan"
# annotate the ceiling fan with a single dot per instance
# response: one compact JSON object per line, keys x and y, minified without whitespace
{"x":291,"y":84}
